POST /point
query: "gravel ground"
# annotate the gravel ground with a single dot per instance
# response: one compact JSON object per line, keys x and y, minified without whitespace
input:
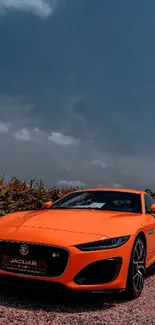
{"x":27,"y":308}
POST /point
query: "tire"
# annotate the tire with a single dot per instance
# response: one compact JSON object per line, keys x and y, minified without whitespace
{"x":136,"y":271}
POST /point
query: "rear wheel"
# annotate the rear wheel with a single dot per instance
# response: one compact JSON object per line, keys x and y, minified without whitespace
{"x":136,"y":272}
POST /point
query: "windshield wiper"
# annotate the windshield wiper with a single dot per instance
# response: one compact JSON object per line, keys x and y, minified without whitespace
{"x":56,"y":208}
{"x":76,"y":208}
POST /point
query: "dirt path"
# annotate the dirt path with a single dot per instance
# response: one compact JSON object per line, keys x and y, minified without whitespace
{"x":78,"y":310}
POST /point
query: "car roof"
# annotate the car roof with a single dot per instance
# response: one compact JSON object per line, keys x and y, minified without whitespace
{"x":115,"y":189}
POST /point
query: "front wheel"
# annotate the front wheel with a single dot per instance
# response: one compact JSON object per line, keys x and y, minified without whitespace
{"x":136,"y":272}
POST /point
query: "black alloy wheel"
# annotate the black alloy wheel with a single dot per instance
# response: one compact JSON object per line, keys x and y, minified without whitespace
{"x":136,"y":272}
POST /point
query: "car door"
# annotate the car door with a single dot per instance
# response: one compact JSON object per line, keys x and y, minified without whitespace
{"x":150,"y":227}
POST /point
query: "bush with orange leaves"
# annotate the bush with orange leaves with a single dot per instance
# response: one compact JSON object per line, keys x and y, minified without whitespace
{"x":17,"y":195}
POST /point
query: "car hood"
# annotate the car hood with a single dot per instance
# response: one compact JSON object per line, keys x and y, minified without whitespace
{"x":67,"y":227}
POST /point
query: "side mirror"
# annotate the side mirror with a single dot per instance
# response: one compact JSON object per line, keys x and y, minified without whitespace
{"x":152,"y":209}
{"x":48,"y":204}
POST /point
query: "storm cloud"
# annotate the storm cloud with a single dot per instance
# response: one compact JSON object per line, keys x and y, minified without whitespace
{"x":77,"y":83}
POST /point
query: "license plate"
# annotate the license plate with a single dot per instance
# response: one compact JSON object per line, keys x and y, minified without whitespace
{"x":23,"y":265}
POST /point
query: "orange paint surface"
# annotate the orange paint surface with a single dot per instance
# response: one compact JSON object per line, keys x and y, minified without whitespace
{"x":67,"y":228}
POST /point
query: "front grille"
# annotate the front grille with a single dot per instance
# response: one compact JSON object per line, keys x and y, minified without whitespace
{"x":41,"y":260}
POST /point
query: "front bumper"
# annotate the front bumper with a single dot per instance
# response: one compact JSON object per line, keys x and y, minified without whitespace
{"x":86,"y":271}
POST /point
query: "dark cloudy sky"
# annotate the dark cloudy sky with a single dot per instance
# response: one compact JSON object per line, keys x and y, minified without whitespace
{"x":77,"y":91}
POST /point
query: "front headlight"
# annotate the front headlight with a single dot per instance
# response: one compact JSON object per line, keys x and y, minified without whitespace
{"x":103,"y":244}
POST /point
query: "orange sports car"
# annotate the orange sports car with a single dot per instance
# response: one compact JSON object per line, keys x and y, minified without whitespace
{"x":89,"y":240}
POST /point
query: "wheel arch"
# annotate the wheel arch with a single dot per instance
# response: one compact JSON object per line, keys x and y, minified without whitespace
{"x":142,"y":234}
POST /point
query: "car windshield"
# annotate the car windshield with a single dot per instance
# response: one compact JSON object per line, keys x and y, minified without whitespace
{"x":101,"y":200}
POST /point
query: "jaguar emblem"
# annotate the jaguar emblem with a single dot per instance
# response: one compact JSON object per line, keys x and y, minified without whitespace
{"x":24,"y":250}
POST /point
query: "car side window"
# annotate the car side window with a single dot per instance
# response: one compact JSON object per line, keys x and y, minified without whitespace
{"x":148,"y":202}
